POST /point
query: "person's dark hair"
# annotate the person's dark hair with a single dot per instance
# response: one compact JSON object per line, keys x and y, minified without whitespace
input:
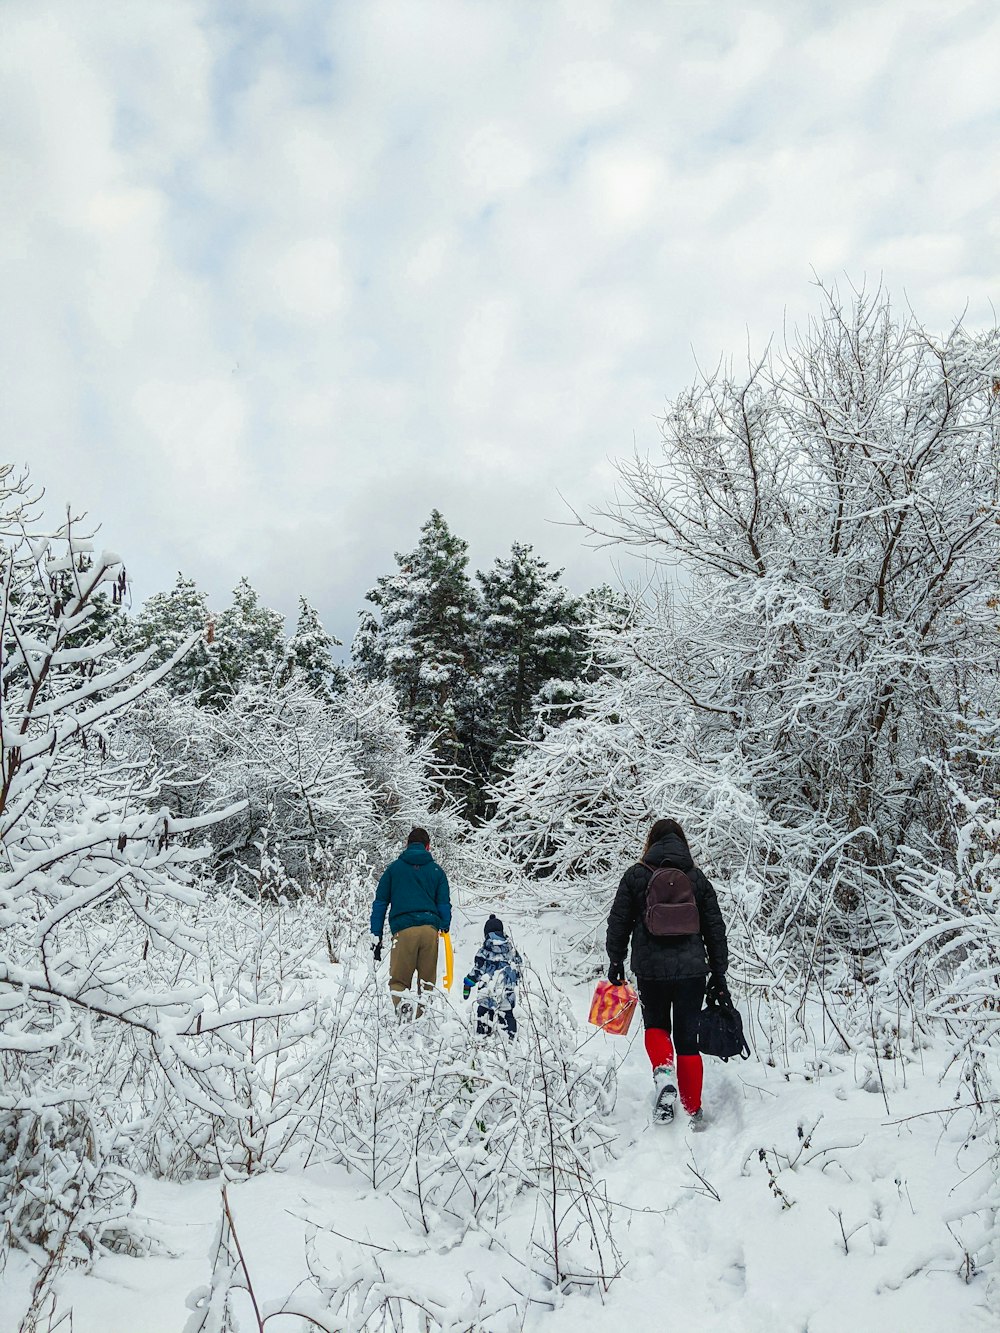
{"x":418,"y":835}
{"x":663,"y":828}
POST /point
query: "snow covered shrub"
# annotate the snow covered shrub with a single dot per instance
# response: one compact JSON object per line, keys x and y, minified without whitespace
{"x":269,"y":1084}
{"x":339,"y":773}
{"x":277,"y":751}
{"x":105,"y":1015}
{"x":262,"y":1076}
{"x":459,"y":1126}
{"x":90,"y":880}
{"x":835,"y":513}
{"x":60,"y":1202}
{"x":568,"y":1124}
{"x":466,"y":1134}
{"x":339,"y":895}
{"x":948,"y":960}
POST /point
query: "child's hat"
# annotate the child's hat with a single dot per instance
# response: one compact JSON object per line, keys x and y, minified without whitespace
{"x":494,"y":926}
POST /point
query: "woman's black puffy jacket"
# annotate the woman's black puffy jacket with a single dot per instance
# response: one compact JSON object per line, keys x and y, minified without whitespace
{"x":667,"y":957}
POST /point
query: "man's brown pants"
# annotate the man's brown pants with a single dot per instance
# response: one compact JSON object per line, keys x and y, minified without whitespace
{"x":414,"y":949}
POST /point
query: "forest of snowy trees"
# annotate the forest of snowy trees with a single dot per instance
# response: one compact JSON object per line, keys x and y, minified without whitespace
{"x":195,"y":803}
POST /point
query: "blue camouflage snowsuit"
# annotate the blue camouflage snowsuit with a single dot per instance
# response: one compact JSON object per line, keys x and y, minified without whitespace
{"x":497,"y":972}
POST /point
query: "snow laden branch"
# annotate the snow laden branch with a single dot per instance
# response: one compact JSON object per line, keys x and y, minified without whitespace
{"x":101,"y":953}
{"x":812,"y":688}
{"x":475,"y":1140}
{"x":312,"y":773}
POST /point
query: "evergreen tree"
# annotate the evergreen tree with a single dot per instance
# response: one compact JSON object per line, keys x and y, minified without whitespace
{"x":532,"y":640}
{"x":604,"y":609}
{"x":368,"y":649}
{"x":166,"y":620}
{"x":423,"y":641}
{"x":102,"y":631}
{"x":250,"y":640}
{"x":308,"y":655}
{"x":107,"y":620}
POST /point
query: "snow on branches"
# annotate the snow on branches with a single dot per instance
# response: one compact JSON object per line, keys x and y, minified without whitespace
{"x":97,"y":893}
{"x":817,"y":672}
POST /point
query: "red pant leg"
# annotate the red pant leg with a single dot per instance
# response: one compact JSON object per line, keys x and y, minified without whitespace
{"x":659,"y":1047}
{"x":690,"y":1074}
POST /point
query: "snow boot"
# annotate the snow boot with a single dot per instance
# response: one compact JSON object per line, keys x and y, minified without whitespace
{"x":665,"y":1095}
{"x":698,"y":1121}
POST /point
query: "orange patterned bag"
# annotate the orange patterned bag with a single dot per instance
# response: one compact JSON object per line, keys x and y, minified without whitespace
{"x":612,"y":1007}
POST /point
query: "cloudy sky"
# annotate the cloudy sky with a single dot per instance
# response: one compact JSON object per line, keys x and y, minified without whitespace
{"x":280,"y":276}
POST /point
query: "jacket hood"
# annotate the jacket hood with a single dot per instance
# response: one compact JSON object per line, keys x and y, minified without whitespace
{"x":669,"y":851}
{"x":415,"y":855}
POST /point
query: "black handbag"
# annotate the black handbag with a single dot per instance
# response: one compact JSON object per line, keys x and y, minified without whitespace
{"x":720,"y":1030}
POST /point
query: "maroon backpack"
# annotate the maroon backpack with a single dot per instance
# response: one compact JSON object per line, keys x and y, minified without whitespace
{"x":670,"y":905}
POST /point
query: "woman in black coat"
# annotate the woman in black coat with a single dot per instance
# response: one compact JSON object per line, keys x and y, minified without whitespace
{"x":671,"y":971}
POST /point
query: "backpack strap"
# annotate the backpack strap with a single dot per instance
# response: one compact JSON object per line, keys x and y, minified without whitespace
{"x":654,"y":869}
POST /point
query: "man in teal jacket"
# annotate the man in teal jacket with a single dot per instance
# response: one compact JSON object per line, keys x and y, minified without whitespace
{"x":414,"y":890}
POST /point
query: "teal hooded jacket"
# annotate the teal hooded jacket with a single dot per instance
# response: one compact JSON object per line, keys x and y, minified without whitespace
{"x":414,"y":889}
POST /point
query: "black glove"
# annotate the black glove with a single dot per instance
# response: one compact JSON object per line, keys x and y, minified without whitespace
{"x":377,"y":950}
{"x":717,"y":991}
{"x":616,"y":974}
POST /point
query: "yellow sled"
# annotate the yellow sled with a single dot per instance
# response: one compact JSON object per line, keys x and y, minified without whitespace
{"x":449,"y":961}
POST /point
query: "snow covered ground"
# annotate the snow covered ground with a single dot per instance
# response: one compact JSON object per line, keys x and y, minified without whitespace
{"x":806,"y":1205}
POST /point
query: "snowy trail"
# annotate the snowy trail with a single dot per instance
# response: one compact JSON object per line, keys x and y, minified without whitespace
{"x":803,"y":1208}
{"x":748,"y":1260}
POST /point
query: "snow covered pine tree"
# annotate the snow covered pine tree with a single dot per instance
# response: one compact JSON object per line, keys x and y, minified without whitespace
{"x":424,"y":640}
{"x":532,"y":639}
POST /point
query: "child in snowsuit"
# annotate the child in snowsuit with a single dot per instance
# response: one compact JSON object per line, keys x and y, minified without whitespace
{"x":497,"y":971}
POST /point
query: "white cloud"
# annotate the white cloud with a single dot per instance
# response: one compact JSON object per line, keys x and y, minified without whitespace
{"x":307,"y":280}
{"x":589,"y":87}
{"x":496,"y":161}
{"x":280,"y":278}
{"x":624,"y":183}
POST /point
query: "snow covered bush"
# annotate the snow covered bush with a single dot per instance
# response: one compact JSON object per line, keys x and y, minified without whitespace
{"x":947,"y":960}
{"x":468,"y":1135}
{"x":822,"y":642}
{"x":279,"y":1060}
{"x":99,"y":953}
{"x":340,"y":891}
{"x":432,"y":1112}
{"x":336,"y":777}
